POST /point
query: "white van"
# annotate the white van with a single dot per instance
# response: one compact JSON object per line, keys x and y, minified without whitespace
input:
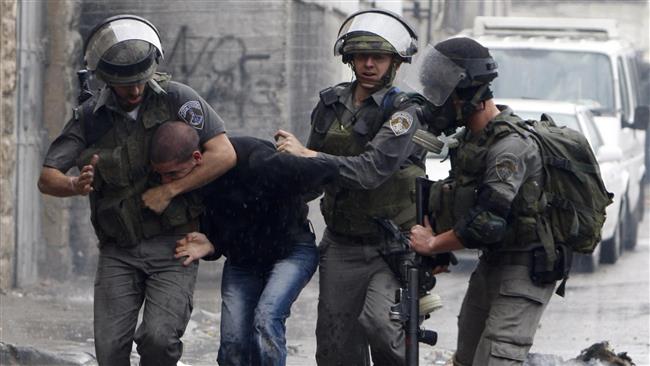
{"x":582,"y":61}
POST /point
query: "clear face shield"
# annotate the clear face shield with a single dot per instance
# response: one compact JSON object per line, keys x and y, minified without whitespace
{"x":115,"y":31}
{"x":432,"y":75}
{"x":382,"y":24}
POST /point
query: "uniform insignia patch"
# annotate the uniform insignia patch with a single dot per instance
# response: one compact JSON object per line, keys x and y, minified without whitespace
{"x":506,"y":166}
{"x":192,"y":113}
{"x":400,"y":122}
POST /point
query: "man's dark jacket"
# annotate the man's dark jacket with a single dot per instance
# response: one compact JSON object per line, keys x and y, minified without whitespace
{"x":256,"y":212}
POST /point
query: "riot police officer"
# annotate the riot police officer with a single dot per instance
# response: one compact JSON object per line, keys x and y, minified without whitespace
{"x":493,"y":201}
{"x":136,"y":218}
{"x":364,"y":129}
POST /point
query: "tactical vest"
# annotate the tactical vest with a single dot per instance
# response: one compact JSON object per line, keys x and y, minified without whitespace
{"x":352,"y":211}
{"x":453,"y":198}
{"x":123,"y":173}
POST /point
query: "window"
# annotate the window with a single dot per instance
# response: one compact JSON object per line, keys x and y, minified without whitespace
{"x":592,"y":132}
{"x":624,"y":90}
{"x":579,"y":77}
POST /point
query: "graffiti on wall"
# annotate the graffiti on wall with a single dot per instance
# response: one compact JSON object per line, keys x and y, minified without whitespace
{"x":237,"y":83}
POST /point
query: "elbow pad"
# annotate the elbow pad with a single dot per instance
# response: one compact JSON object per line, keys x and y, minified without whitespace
{"x":480,"y":228}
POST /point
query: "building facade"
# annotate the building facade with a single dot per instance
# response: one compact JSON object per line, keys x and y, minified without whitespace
{"x":260,"y":64}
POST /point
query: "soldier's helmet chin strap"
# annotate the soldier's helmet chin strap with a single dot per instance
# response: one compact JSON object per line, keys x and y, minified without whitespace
{"x":467,"y":108}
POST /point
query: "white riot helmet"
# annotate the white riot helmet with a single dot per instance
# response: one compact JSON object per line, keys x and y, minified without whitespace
{"x":123,"y":49}
{"x":376,"y":30}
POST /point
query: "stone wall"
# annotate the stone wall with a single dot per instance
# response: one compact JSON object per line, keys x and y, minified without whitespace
{"x":66,"y":227}
{"x":310,"y":61}
{"x":7,"y":140}
{"x":260,"y":64}
{"x":230,"y":52}
{"x":260,"y":70}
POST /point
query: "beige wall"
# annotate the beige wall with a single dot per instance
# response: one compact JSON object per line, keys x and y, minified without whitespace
{"x":60,"y":226}
{"x":259,"y":78}
{"x":7,"y":139}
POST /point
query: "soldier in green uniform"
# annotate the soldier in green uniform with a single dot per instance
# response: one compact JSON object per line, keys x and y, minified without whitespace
{"x":359,"y":126}
{"x":493,"y":202}
{"x":136,"y":218}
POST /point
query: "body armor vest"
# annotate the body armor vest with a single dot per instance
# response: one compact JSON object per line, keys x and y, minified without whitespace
{"x":123,"y":174}
{"x":453,"y":198}
{"x":352,"y":211}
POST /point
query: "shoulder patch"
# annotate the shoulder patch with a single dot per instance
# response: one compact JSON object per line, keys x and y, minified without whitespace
{"x":400,"y":122}
{"x":192,"y":113}
{"x":506,"y":166}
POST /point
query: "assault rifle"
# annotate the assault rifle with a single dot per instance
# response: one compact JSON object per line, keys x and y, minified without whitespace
{"x":416,"y":278}
{"x":413,"y":302}
{"x":415,"y":281}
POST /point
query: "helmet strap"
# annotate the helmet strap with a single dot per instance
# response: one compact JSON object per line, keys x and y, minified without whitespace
{"x":470,"y":106}
{"x":389,"y":76}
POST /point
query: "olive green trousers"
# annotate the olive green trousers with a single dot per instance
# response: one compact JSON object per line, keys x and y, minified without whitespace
{"x":357,"y":289}
{"x":128,"y":278}
{"x":499,"y":316}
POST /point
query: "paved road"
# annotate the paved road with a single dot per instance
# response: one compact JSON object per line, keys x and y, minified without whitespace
{"x":612,"y":304}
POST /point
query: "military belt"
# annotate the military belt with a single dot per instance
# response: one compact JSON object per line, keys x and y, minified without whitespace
{"x":357,"y":239}
{"x":507,"y":258}
{"x":153,"y":228}
{"x":176,"y":230}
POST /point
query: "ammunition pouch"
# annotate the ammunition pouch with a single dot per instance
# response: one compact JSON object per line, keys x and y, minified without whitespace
{"x":119,"y":221}
{"x":480,"y":228}
{"x":351,"y":212}
{"x":181,"y":210}
{"x":541,"y":275}
{"x":538,"y":264}
{"x":113,"y":166}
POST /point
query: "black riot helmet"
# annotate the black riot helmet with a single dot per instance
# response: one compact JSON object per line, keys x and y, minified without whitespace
{"x":459,"y":67}
{"x":123,"y":49}
{"x":478,"y":65}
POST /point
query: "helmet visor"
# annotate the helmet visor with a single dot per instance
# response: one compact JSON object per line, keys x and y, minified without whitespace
{"x":432,"y":74}
{"x":383,"y":25}
{"x":115,"y":32}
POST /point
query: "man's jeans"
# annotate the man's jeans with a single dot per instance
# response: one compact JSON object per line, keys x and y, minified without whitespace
{"x":256,"y":301}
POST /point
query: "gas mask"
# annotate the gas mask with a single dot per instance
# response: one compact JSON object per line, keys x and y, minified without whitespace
{"x":441,"y":119}
{"x":451,"y":89}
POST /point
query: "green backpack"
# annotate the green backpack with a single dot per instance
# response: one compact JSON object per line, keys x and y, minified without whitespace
{"x":575,"y":191}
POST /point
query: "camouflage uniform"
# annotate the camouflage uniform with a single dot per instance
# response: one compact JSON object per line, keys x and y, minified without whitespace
{"x":502,"y":306}
{"x":378,"y":165}
{"x":136,"y":248}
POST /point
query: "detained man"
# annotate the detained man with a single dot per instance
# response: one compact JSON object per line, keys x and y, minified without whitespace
{"x":256,"y":216}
